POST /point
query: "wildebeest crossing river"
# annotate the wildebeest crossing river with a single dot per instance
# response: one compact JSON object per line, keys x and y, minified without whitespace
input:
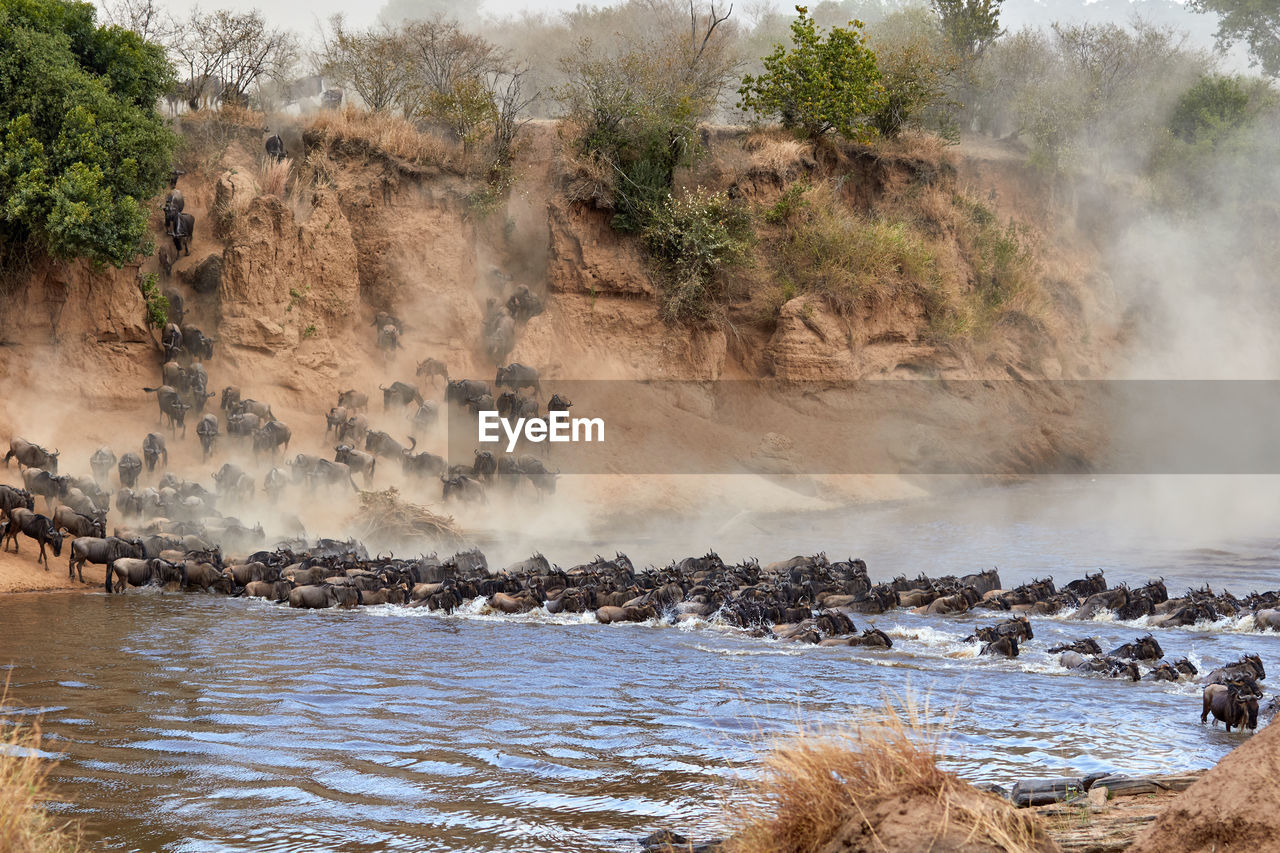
{"x":203,"y":723}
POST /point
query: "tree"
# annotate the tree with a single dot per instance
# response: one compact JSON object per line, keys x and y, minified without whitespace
{"x":373,"y":64}
{"x":823,"y":83}
{"x":443,"y":57}
{"x":225,"y":54}
{"x":82,"y":147}
{"x":1212,"y":109}
{"x":1254,"y":22}
{"x":144,"y":17}
{"x":969,"y":25}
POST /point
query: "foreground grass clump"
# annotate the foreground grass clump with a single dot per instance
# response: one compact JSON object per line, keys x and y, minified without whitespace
{"x":25,"y":827}
{"x":874,"y":787}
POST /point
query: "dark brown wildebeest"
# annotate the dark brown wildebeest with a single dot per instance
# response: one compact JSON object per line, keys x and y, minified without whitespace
{"x":184,"y":228}
{"x":516,"y":376}
{"x":11,"y":498}
{"x":464,"y":489}
{"x":1087,"y":646}
{"x":399,"y":394}
{"x":31,"y":455}
{"x":78,"y":524}
{"x":101,"y":463}
{"x":380,"y":444}
{"x":1248,"y":666}
{"x":207,"y":430}
{"x":1235,"y":703}
{"x":357,"y":460}
{"x":171,"y":406}
{"x":52,"y":487}
{"x":153,"y":448}
{"x":37,"y":527}
{"x":102,"y":552}
{"x":1143,"y":648}
{"x":129,"y":468}
{"x":1006,"y":646}
{"x":336,"y":417}
{"x":1108,"y":666}
{"x":422,"y":464}
{"x":272,"y":435}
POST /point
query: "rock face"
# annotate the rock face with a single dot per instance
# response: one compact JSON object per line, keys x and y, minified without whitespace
{"x":588,"y":256}
{"x":282,"y":280}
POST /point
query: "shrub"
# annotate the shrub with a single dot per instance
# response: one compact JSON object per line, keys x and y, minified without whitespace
{"x":694,"y":238}
{"x":854,"y":262}
{"x":1212,"y":109}
{"x":157,"y":304}
{"x":1004,"y":266}
{"x":822,"y":83}
{"x":82,"y":148}
{"x":25,"y":827}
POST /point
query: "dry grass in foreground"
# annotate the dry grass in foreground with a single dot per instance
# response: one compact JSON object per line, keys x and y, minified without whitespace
{"x":388,"y":134}
{"x":874,"y":787}
{"x":272,"y":176}
{"x":25,"y":827}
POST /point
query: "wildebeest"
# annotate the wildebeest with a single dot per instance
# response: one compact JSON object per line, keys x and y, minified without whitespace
{"x":243,"y":425}
{"x":501,"y":338}
{"x":523,"y":304}
{"x":165,"y":257}
{"x":102,"y":552}
{"x":388,"y":339}
{"x":334,"y":420}
{"x":78,"y":524}
{"x":52,"y":487}
{"x":513,"y":406}
{"x":153,"y":448}
{"x":433,"y":367}
{"x":399,"y":394}
{"x":31,"y":455}
{"x":174,"y":204}
{"x":1006,"y":646}
{"x":425,"y":416}
{"x":1235,"y":703}
{"x":484,"y":467}
{"x":354,"y":400}
{"x":249,"y":406}
{"x":171,"y":340}
{"x":357,"y":460}
{"x":272,"y":435}
{"x":464,"y":489}
{"x":207,"y":430}
{"x":274,"y":484}
{"x":184,"y":229}
{"x":129,"y":468}
{"x":275,"y":147}
{"x":176,"y":306}
{"x":355,"y":430}
{"x":380,"y":444}
{"x":463,"y":391}
{"x":544,"y":481}
{"x":326,"y":473}
{"x":1143,"y":648}
{"x":1248,"y":666}
{"x":516,"y":376}
{"x":274,"y":590}
{"x":1087,"y":646}
{"x":101,"y":463}
{"x":230,"y":398}
{"x":137,"y":571}
{"x":1101,"y":665}
{"x":37,"y":527}
{"x":559,"y":403}
{"x":231,"y":480}
{"x":422,"y":464}
{"x":171,"y":406}
{"x":11,"y":498}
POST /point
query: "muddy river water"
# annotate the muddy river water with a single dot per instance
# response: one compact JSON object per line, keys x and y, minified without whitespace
{"x":199,"y":723}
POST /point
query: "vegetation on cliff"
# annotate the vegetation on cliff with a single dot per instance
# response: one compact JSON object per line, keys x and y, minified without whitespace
{"x":83,"y":146}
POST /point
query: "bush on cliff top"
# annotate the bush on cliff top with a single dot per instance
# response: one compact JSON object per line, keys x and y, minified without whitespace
{"x":82,"y":147}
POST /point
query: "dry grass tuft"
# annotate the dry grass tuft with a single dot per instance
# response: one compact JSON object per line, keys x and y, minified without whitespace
{"x":386,"y":133}
{"x":271,"y":176}
{"x":875,"y":786}
{"x":780,"y":155}
{"x":25,"y":827}
{"x":385,"y":517}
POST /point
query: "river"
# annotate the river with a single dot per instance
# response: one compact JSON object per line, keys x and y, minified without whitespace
{"x":200,"y":723}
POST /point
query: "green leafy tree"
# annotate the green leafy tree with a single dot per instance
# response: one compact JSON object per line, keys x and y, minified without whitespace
{"x":971,"y":26}
{"x":81,"y":145}
{"x":1211,"y":110}
{"x":822,"y":83}
{"x":1254,"y":22}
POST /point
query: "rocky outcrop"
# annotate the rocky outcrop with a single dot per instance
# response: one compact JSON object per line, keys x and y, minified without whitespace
{"x":812,"y":343}
{"x":282,"y":280}
{"x":588,"y":256}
